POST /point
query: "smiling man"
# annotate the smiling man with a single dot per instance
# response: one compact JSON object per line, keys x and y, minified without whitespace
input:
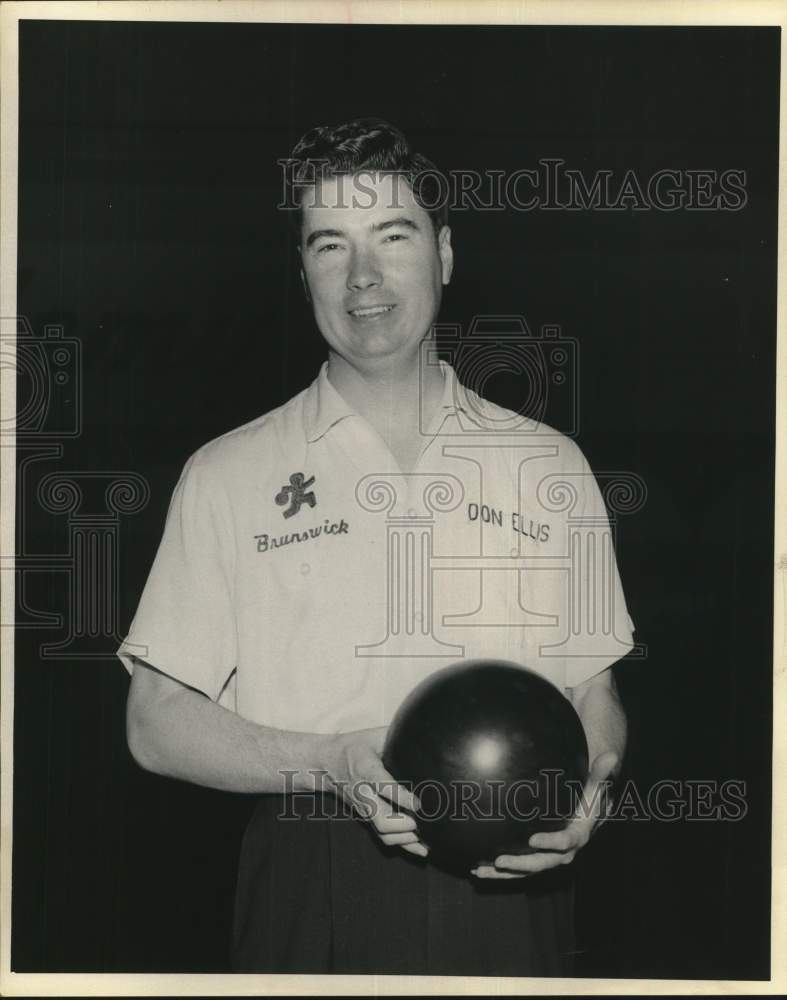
{"x":276,"y":637}
{"x":374,"y":276}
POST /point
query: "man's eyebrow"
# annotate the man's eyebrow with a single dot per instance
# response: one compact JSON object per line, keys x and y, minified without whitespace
{"x":378,"y":227}
{"x":400,"y":220}
{"x":317,"y":233}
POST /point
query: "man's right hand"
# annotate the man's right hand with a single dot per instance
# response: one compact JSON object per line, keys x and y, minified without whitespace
{"x":176,"y":731}
{"x":355,"y":768}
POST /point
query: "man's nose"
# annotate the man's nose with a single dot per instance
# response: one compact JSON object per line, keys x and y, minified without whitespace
{"x":364,"y":272}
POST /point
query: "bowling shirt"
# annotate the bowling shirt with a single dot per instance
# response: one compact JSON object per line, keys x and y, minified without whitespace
{"x":306,"y":582}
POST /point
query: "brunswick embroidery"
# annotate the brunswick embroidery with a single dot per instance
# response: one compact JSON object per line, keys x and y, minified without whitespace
{"x":295,"y":494}
{"x":265,"y":542}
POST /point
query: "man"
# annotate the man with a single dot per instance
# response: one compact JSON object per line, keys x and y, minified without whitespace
{"x":295,"y":600}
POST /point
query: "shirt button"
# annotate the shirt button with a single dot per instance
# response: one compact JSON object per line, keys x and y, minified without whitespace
{"x":305,"y":568}
{"x":411,"y":512}
{"x":514,"y":552}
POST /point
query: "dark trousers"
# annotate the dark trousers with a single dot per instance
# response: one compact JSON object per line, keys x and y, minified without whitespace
{"x":321,"y":895}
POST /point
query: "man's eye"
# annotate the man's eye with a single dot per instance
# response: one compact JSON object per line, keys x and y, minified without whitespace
{"x":396,"y":236}
{"x":328,"y":246}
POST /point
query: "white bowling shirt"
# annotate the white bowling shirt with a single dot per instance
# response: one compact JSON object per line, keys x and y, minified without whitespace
{"x":308,"y":584}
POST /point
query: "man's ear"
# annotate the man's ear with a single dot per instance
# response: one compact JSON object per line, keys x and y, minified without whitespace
{"x":305,"y":284}
{"x":446,"y":252}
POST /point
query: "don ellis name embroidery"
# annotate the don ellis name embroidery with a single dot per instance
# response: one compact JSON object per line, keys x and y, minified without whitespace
{"x":492,"y":515}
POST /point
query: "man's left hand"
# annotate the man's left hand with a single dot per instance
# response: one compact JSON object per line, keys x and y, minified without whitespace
{"x":559,"y":848}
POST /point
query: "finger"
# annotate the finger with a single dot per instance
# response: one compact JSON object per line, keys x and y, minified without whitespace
{"x":386,"y":822}
{"x":398,"y":839}
{"x":368,"y":805}
{"x":531,"y":864}
{"x":363,"y":807}
{"x":560,"y":840}
{"x":419,"y":849}
{"x":397,"y":794}
{"x":484,"y":871}
{"x":380,"y":812}
{"x":385,"y":785}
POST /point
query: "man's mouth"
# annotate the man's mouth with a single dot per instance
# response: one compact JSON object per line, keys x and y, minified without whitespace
{"x":369,"y":312}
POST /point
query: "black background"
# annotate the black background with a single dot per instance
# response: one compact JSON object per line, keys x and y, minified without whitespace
{"x":148,"y":228}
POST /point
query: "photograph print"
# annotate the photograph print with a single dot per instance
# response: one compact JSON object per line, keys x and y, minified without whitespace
{"x":394,"y":458}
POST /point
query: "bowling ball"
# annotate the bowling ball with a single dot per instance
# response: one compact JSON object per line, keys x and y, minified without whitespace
{"x":494,"y":752}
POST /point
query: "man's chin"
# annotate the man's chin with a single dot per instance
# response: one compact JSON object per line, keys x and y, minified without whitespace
{"x":379,"y":344}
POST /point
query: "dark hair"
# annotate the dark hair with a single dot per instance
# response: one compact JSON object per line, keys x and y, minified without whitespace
{"x":364,"y":144}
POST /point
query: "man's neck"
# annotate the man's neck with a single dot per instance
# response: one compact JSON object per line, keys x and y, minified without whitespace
{"x":393,"y":397}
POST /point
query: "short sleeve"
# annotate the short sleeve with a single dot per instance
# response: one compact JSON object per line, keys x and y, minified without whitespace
{"x":185,"y":623}
{"x":601,"y":629}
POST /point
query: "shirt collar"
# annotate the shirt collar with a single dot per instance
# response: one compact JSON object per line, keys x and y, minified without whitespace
{"x":324,"y":407}
{"x":453,"y":390}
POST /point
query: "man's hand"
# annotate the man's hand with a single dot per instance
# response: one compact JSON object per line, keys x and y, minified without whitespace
{"x":356,"y":770}
{"x":559,"y":848}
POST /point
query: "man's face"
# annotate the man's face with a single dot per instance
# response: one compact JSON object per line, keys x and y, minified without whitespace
{"x":372,"y":265}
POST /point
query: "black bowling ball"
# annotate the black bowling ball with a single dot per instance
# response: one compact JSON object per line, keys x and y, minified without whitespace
{"x":494,"y":752}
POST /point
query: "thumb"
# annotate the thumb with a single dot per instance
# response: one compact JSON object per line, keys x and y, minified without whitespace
{"x":594,"y":793}
{"x":602,"y":767}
